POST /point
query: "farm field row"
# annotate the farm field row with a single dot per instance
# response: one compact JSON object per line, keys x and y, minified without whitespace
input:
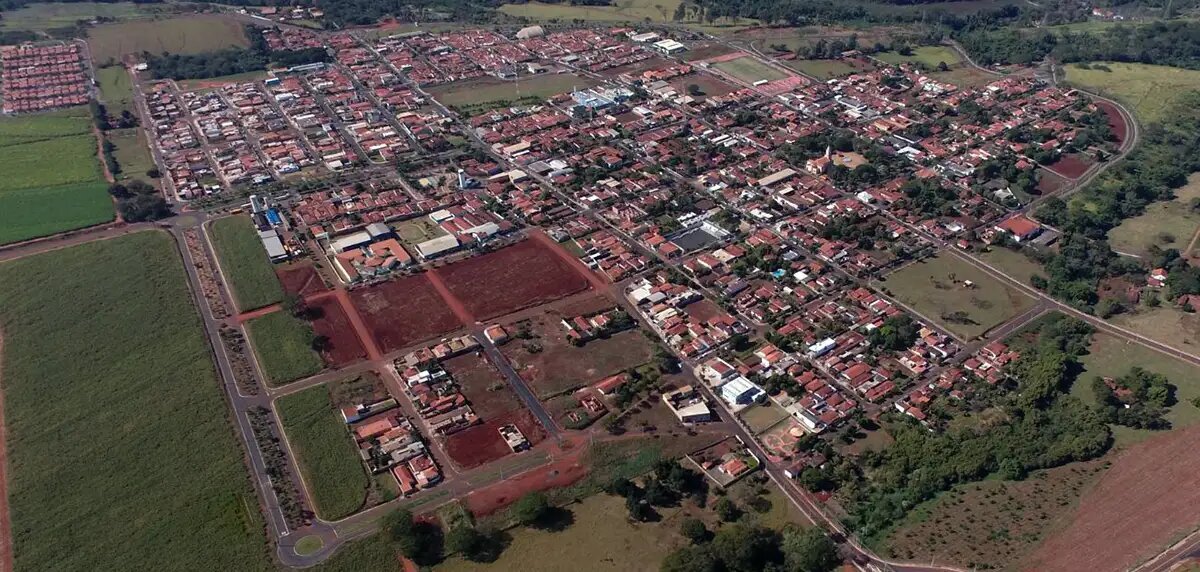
{"x":45,"y":16}
{"x":132,"y":389}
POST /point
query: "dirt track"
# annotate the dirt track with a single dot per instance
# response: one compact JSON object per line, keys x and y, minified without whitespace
{"x":1147,"y":500}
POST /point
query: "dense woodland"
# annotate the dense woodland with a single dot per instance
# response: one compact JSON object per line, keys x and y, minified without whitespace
{"x":231,"y":60}
{"x":1171,"y":43}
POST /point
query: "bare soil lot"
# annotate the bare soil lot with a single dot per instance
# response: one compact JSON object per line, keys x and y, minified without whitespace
{"x":496,"y":405}
{"x":1071,"y":166}
{"x":331,"y":322}
{"x":402,"y":312}
{"x":300,"y":279}
{"x":520,"y":276}
{"x":1143,"y":503}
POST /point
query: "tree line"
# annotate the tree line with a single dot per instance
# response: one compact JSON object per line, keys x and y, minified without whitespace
{"x":1170,"y":43}
{"x":230,"y":61}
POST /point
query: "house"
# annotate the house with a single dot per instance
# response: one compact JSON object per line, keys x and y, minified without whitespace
{"x":496,"y":334}
{"x":1020,"y":227}
{"x":687,"y":404}
{"x":1157,"y":278}
{"x":611,"y":384}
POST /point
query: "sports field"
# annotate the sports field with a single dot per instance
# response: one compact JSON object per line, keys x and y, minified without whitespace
{"x":244,"y":263}
{"x":325,"y":452}
{"x":190,"y":34}
{"x":51,"y":179}
{"x":938,"y":288}
{"x":1166,"y":224}
{"x":928,"y":56}
{"x":121,"y":455}
{"x":479,"y":95}
{"x":749,"y":70}
{"x":1149,"y":90}
{"x":283,"y":345}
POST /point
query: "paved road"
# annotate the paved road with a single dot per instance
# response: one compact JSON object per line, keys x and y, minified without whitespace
{"x":519,"y":386}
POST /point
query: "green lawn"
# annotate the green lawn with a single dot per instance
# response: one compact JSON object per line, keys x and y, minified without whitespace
{"x":936,"y":287}
{"x":749,"y":70}
{"x":371,"y":554}
{"x":190,"y":34}
{"x":1149,"y":90}
{"x":116,"y":89}
{"x":50,"y":177}
{"x":325,"y":452}
{"x":1110,"y":356}
{"x":928,"y":56}
{"x":1013,"y":263}
{"x":1166,"y":224}
{"x":823,"y":69}
{"x":244,"y":262}
{"x":121,"y":454}
{"x":283,"y":346}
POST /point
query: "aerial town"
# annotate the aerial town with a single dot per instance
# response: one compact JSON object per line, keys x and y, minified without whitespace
{"x":467,"y":295}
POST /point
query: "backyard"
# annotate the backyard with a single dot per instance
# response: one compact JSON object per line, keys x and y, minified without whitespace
{"x":325,"y":452}
{"x":118,"y":418}
{"x":244,"y":262}
{"x":283,"y":345}
{"x":959,"y":296}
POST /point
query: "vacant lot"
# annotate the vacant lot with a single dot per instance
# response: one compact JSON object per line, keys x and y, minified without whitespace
{"x":709,"y":84}
{"x":374,"y":553}
{"x":619,"y":11}
{"x":749,"y":70}
{"x":333,"y":473}
{"x":1166,"y":224}
{"x":927,"y":56}
{"x":937,"y":288}
{"x":479,"y":95}
{"x":340,"y":344}
{"x":1164,"y":324}
{"x":1148,"y":90}
{"x":191,"y":34}
{"x":48,"y":16}
{"x":1013,"y":263}
{"x":132,"y":154}
{"x":992,"y":522}
{"x":515,"y":277}
{"x":496,"y":405}
{"x":118,"y":418}
{"x":1144,"y":502}
{"x":116,"y":89}
{"x":243,"y":260}
{"x":404,"y":311}
{"x":551,"y":365}
{"x":51,"y":178}
{"x":826,"y":69}
{"x":964,"y":75}
{"x":300,"y":279}
{"x":283,"y":345}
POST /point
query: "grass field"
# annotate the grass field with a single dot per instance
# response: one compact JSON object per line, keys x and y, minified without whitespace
{"x":1149,"y":90}
{"x":762,"y":417}
{"x":936,"y":288}
{"x":244,"y":263}
{"x":51,"y":180}
{"x":283,"y":345}
{"x":46,"y":16}
{"x":325,"y":452}
{"x":132,"y":153}
{"x":823,"y":69}
{"x":118,"y":434}
{"x":182,"y":35}
{"x":928,"y":56}
{"x":1014,"y":263}
{"x":619,"y":11}
{"x":1167,"y":224}
{"x":749,"y":70}
{"x":476,"y":96}
{"x":964,"y":76}
{"x":417,"y":230}
{"x":116,"y":89}
{"x":373,"y":553}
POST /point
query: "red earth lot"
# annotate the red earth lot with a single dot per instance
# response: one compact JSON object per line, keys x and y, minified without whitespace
{"x":1144,"y":502}
{"x":1114,"y":120}
{"x":496,"y":404}
{"x":404,"y":311}
{"x":519,"y":276}
{"x":562,"y":472}
{"x":301,"y":280}
{"x":702,"y":309}
{"x":333,"y":323}
{"x":1071,"y":166}
{"x":1050,"y":183}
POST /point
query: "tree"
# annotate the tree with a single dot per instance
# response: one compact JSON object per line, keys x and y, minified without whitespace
{"x":727,"y":510}
{"x":809,"y":550}
{"x":420,"y":541}
{"x":471,"y":544}
{"x":746,"y":548}
{"x":294,"y":304}
{"x":694,"y":530}
{"x":531,"y":509}
{"x":694,"y":90}
{"x":690,"y":559}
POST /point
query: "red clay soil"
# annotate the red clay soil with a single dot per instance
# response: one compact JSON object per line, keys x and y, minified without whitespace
{"x":401,"y":312}
{"x":455,"y":305}
{"x":1049,"y":183}
{"x":1070,"y":166}
{"x":483,"y":444}
{"x":1115,"y":121}
{"x":360,"y":327}
{"x":513,"y":278}
{"x":560,"y":473}
{"x":1145,"y":501}
{"x":6,"y":548}
{"x":332,"y":322}
{"x":301,"y":280}
{"x":573,"y":261}
{"x":258,"y":313}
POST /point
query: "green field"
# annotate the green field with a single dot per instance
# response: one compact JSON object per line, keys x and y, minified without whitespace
{"x":244,"y":262}
{"x":1149,"y":90}
{"x":1166,"y":224}
{"x":116,"y":89}
{"x":121,"y":455}
{"x":182,"y":35}
{"x":620,"y":11}
{"x":1109,"y":356}
{"x":42,"y":17}
{"x":749,"y":70}
{"x":823,"y":69}
{"x":283,"y":346}
{"x":928,"y":56}
{"x":477,"y":96}
{"x":325,"y":452}
{"x":51,"y":179}
{"x":371,"y":554}
{"x":132,"y":153}
{"x":1013,"y":263}
{"x":936,"y":287}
